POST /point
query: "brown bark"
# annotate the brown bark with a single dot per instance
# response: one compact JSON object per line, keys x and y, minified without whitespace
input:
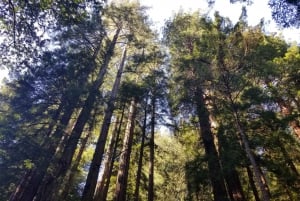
{"x":107,"y":162}
{"x":91,"y":182}
{"x":106,"y":168}
{"x":120,"y":193}
{"x":28,"y":191}
{"x":214,"y":167}
{"x":60,"y":164}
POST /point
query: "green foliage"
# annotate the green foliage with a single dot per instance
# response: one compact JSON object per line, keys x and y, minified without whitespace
{"x":242,"y":73}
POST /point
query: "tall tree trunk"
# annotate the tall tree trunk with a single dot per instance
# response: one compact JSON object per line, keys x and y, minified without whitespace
{"x":141,"y":155}
{"x":102,"y":193}
{"x":60,"y":164}
{"x":91,"y":182}
{"x":252,"y":184}
{"x":70,"y":177}
{"x":258,"y":175}
{"x":151,"y":146}
{"x":214,"y":167}
{"x":120,"y":193}
{"x":107,"y":162}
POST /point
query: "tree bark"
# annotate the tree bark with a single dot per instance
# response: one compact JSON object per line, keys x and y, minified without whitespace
{"x":214,"y":167}
{"x":107,"y":162}
{"x":102,"y":194}
{"x":70,"y":177}
{"x":91,"y":182}
{"x":120,"y":192}
{"x":106,"y":187}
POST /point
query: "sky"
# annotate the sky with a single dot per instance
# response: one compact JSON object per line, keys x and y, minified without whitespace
{"x":161,"y":10}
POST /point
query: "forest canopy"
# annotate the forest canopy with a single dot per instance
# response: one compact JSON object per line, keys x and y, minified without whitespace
{"x":98,"y":108}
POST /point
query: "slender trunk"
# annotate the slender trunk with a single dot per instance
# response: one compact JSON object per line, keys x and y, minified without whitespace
{"x":120,"y":193}
{"x":214,"y":167}
{"x":258,"y":175}
{"x":103,"y":193}
{"x":91,"y":182}
{"x":252,"y":184}
{"x":70,"y":177}
{"x":151,"y":157}
{"x":60,"y":165}
{"x":140,"y":162}
{"x":108,"y":158}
